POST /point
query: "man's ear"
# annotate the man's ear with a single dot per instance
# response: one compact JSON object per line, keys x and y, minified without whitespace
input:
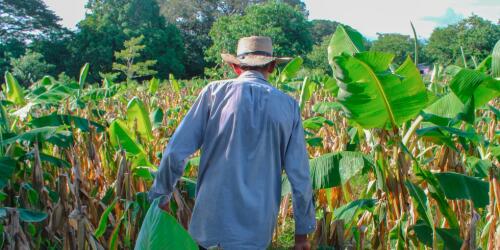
{"x":236,"y":68}
{"x":271,"y":66}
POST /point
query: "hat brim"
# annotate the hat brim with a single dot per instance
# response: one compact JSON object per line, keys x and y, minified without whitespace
{"x":253,"y":60}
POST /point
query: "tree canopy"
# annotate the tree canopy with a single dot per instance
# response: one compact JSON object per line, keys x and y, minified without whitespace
{"x":24,"y":19}
{"x":286,"y":25}
{"x":475,"y":35}
{"x":111,"y":22}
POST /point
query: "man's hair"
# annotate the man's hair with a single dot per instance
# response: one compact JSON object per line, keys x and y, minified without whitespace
{"x":256,"y":68}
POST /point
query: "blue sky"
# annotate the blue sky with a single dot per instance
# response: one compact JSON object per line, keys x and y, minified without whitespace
{"x":368,"y":16}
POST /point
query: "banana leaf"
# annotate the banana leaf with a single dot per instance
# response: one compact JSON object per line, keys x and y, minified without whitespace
{"x":467,"y":83}
{"x":458,"y":186}
{"x":334,"y":169}
{"x":160,"y":230}
{"x":495,"y":61}
{"x":290,"y":70}
{"x":374,"y":97}
{"x":122,"y":137}
{"x":59,"y":120}
{"x":14,"y":92}
{"x":138,"y":115}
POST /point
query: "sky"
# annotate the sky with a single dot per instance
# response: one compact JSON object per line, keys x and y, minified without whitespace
{"x":368,"y":16}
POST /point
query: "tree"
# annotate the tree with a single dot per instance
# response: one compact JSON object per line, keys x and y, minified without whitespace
{"x":318,"y":57}
{"x":130,"y":68}
{"x":475,"y":35}
{"x":22,"y":20}
{"x":111,"y":22}
{"x":321,"y":28}
{"x":30,"y":67}
{"x":54,"y":48}
{"x":287,"y":26}
{"x":400,"y":45}
{"x":195,"y":18}
{"x":11,"y":48}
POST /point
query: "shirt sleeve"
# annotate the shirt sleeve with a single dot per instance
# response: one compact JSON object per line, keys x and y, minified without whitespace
{"x":297,"y":169}
{"x":187,"y":138}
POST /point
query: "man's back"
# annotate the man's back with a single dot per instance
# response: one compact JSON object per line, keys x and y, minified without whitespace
{"x":248,"y":132}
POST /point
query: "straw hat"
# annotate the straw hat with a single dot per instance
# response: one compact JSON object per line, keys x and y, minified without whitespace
{"x":254,"y":51}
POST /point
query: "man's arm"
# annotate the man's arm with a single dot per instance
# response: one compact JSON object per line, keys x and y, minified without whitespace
{"x":187,"y":138}
{"x":297,"y":169}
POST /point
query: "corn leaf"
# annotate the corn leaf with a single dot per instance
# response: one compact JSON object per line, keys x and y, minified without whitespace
{"x":103,"y":222}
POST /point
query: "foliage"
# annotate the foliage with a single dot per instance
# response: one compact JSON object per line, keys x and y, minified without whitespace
{"x":30,"y":67}
{"x":317,"y":58}
{"x":399,"y":45}
{"x":287,"y":27}
{"x":475,"y":35}
{"x":110,"y":23}
{"x":21,"y":20}
{"x":129,"y":66}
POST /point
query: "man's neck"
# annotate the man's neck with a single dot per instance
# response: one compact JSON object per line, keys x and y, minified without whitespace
{"x":264,"y":74}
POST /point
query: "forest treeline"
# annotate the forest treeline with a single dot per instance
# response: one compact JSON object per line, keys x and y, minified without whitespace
{"x":185,"y":37}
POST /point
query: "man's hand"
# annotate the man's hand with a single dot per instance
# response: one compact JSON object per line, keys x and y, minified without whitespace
{"x":301,"y":242}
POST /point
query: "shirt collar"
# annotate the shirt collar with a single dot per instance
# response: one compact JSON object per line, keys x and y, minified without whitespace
{"x":252,"y":74}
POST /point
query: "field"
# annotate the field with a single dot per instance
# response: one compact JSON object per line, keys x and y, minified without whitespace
{"x":398,"y":160}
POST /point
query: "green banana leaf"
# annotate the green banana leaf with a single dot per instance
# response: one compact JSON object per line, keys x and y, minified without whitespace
{"x":448,"y":238}
{"x":344,"y":40}
{"x":59,"y":120}
{"x":420,"y":199}
{"x":26,"y":215}
{"x":307,"y":90}
{"x":138,"y":115}
{"x":160,"y":230}
{"x":156,"y":117}
{"x":437,"y":193}
{"x":495,"y":61}
{"x":83,"y":75}
{"x":467,"y":83}
{"x":349,"y":211}
{"x":122,"y":137}
{"x":14,"y":91}
{"x":458,"y":186}
{"x":324,"y":107}
{"x":7,"y":166}
{"x":375,"y":98}
{"x":447,"y":106}
{"x":290,"y":70}
{"x":154,"y":83}
{"x":334,"y":169}
{"x":49,"y":133}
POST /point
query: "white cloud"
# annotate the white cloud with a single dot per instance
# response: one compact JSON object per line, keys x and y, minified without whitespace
{"x":449,"y":17}
{"x":70,"y":11}
{"x":393,"y":16}
{"x":368,"y":16}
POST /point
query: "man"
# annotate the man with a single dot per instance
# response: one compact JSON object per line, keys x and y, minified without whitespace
{"x":248,"y":131}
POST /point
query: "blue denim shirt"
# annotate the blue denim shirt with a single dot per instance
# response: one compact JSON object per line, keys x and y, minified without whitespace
{"x":248,"y":133}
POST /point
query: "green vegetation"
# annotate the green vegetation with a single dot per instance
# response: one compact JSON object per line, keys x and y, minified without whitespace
{"x":398,"y":160}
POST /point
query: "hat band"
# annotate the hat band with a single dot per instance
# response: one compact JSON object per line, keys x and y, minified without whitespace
{"x":258,"y":53}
